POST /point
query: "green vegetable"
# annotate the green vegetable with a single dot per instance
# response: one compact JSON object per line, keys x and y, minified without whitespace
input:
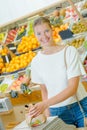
{"x":25,"y":89}
{"x":56,"y":21}
{"x":3,"y":87}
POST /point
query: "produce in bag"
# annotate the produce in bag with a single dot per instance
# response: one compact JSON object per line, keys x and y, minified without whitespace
{"x":36,"y":121}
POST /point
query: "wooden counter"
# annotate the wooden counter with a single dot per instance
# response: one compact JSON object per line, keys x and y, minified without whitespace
{"x":18,"y":113}
{"x":17,"y":116}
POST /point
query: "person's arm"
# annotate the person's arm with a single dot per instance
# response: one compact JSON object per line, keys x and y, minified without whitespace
{"x":66,"y":93}
{"x":69,"y":91}
{"x":45,"y":97}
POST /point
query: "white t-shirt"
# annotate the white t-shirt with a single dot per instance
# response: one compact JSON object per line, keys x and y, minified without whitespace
{"x":51,"y":71}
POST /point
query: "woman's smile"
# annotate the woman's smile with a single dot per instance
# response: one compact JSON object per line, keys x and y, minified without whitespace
{"x":44,"y":34}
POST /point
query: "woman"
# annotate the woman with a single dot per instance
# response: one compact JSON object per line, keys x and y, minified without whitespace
{"x":58,"y":84}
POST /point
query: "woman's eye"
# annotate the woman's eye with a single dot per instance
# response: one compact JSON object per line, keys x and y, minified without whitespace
{"x":38,"y":34}
{"x":47,"y":30}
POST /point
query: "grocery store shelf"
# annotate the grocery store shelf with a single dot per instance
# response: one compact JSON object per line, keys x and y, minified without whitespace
{"x":19,"y":72}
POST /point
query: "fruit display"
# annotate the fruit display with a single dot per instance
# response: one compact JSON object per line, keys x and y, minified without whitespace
{"x":3,"y":88}
{"x":11,"y":47}
{"x":63,"y":12}
{"x":30,"y":28}
{"x":25,"y":89}
{"x":21,"y":32}
{"x":79,"y":27}
{"x":28,"y":43}
{"x":56,"y":30}
{"x":5,"y":84}
{"x":18,"y":83}
{"x":78,"y":42}
{"x":71,"y":13}
{"x":19,"y":62}
{"x":2,"y":36}
{"x":1,"y":65}
{"x":3,"y":51}
{"x":11,"y":35}
{"x":56,"y":21}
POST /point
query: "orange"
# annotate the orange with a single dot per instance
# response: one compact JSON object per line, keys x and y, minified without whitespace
{"x":1,"y":60}
{"x":3,"y":69}
{"x":8,"y":69}
{"x":1,"y":65}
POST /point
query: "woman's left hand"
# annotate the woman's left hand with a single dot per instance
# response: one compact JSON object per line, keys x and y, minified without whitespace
{"x":37,"y":109}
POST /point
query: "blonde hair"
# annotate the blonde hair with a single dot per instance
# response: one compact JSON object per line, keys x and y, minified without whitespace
{"x":40,"y":21}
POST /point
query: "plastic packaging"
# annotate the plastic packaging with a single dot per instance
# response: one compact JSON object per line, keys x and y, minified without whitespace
{"x":33,"y":122}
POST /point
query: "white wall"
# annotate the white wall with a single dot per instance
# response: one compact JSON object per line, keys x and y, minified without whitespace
{"x":12,"y":9}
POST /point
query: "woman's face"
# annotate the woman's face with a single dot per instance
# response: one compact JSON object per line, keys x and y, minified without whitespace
{"x":43,"y":33}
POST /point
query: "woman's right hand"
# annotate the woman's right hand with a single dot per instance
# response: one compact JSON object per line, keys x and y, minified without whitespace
{"x":38,"y":109}
{"x":47,"y":113}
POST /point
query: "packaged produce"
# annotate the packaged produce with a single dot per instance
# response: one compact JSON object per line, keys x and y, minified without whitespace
{"x":33,"y":122}
{"x":20,"y":84}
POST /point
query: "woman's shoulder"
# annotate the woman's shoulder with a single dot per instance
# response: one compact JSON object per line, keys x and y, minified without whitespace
{"x":35,"y":59}
{"x":67,"y":46}
{"x":71,"y":49}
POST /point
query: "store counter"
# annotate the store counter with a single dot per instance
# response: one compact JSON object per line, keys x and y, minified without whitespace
{"x":16,"y":117}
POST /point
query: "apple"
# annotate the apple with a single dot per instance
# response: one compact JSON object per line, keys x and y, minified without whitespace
{"x":18,"y":82}
{"x":18,"y":88}
{"x":13,"y":88}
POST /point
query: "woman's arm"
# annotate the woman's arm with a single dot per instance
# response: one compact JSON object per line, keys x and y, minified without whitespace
{"x":66,"y":93}
{"x":69,"y":91}
{"x":45,"y":97}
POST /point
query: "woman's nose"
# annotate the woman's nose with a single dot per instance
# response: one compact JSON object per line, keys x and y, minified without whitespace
{"x":43,"y":35}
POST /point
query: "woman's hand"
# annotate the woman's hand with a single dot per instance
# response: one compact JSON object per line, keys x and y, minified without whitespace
{"x":38,"y":108}
{"x":47,"y":112}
